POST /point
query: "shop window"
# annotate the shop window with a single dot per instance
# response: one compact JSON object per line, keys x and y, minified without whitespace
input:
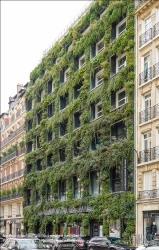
{"x":116,"y":179}
{"x":49,"y":160}
{"x":62,"y":190}
{"x":63,"y":128}
{"x":77,"y":190}
{"x":38,"y":142}
{"x":39,"y":117}
{"x":50,"y":110}
{"x":30,"y":122}
{"x":29,"y":146}
{"x":118,"y":131}
{"x":38,"y":199}
{"x":49,"y":136}
{"x":64,"y":101}
{"x":96,"y":79}
{"x":62,"y":154}
{"x":28,"y":197}
{"x":96,"y":141}
{"x":77,"y":122}
{"x":29,"y":105}
{"x":38,"y":165}
{"x":96,"y":111}
{"x":94,"y":183}
{"x":9,"y":211}
{"x":118,"y":99}
{"x":50,"y":87}
{"x":77,"y":150}
{"x":28,"y":168}
{"x":77,"y":89}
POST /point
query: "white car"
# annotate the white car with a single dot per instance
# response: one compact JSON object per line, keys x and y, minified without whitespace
{"x":152,"y":245}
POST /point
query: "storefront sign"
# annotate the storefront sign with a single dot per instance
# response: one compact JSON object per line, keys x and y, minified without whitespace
{"x":72,"y":210}
{"x":125,"y":173}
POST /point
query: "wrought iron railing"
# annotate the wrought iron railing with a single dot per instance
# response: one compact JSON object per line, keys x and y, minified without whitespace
{"x":12,"y":135}
{"x":156,"y":29}
{"x":13,"y":176}
{"x":145,"y":76}
{"x":145,"y":37}
{"x":149,"y":114}
{"x":9,"y":157}
{"x":11,"y":196}
{"x":156,"y":69}
{"x":148,"y":194}
{"x":148,"y":154}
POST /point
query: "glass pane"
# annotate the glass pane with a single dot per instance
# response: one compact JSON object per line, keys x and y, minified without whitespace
{"x":122,"y":28}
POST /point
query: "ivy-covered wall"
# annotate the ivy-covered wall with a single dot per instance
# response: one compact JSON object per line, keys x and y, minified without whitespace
{"x":108,"y":206}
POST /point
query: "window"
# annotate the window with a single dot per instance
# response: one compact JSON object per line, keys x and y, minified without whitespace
{"x":10,"y":211}
{"x":29,"y":146}
{"x":39,"y":96}
{"x":118,"y":28}
{"x":2,"y":212}
{"x":77,"y":89}
{"x":118,"y":131}
{"x":50,"y":87}
{"x":96,"y":79}
{"x":62,"y":154}
{"x":39,"y":117}
{"x":121,"y":98}
{"x":147,"y":106}
{"x":148,"y":180}
{"x":37,"y":142}
{"x":63,"y":128}
{"x":30,"y":122}
{"x":85,"y":28}
{"x":157,"y":179}
{"x":49,"y":160}
{"x":29,"y":105}
{"x":49,"y":136}
{"x":10,"y":169}
{"x":96,"y":111}
{"x":77,"y":122}
{"x":94,"y":183}
{"x":49,"y":197}
{"x":77,"y":149}
{"x":147,"y":150}
{"x":68,"y":46}
{"x":18,"y":210}
{"x":50,"y":110}
{"x":66,"y":75}
{"x":62,"y":190}
{"x":81,"y":61}
{"x":77,"y":188}
{"x":157,"y":138}
{"x":28,"y":197}
{"x":99,"y":46}
{"x":64,"y":101}
{"x":121,"y":63}
{"x":38,"y":199}
{"x":28,"y":168}
{"x":121,"y":27}
{"x":146,"y":68}
{"x":116,"y":179}
{"x":96,"y":141}
{"x":38,"y":165}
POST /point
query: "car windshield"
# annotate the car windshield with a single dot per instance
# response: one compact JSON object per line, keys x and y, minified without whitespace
{"x":120,"y":242}
{"x":28,"y":244}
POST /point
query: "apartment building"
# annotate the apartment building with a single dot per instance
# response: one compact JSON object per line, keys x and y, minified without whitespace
{"x":79,"y":128}
{"x":147,"y":118}
{"x":12,"y":163}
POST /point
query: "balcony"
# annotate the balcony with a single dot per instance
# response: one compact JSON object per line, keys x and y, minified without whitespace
{"x":145,"y":76}
{"x":12,"y":176}
{"x":149,"y":114}
{"x":14,"y":134}
{"x":11,"y":196}
{"x":156,"y":29}
{"x":148,"y":154}
{"x":156,"y":69}
{"x":145,"y":37}
{"x":148,"y":194}
{"x":9,"y":157}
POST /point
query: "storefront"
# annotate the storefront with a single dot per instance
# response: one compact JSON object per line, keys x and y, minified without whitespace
{"x":151,"y":224}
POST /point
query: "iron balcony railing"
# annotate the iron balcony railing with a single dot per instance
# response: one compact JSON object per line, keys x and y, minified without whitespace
{"x":12,"y":135}
{"x":145,"y":37}
{"x":13,"y":176}
{"x":148,"y":194}
{"x":11,"y":196}
{"x":156,"y":29}
{"x":149,"y":114}
{"x":145,"y":76}
{"x":148,"y":154}
{"x":9,"y":157}
{"x":156,"y":69}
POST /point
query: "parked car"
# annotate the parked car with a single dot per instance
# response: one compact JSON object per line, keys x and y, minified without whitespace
{"x":2,"y":238}
{"x":152,"y":245}
{"x":98,"y":242}
{"x":113,"y":239}
{"x":23,"y":244}
{"x":53,"y":240}
{"x":120,"y":244}
{"x":73,"y":242}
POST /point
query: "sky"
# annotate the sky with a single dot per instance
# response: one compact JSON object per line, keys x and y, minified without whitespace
{"x":28,"y":28}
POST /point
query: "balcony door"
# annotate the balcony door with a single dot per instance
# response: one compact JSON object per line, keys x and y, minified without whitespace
{"x":147,"y":181}
{"x":146,"y":68}
{"x":147,"y":146}
{"x":147,"y":104}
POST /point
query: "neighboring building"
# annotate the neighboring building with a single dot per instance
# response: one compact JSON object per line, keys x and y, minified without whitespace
{"x":79,"y":128}
{"x":147,"y":118}
{"x":12,"y":163}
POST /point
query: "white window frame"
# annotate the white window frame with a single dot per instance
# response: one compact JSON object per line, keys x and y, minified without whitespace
{"x":70,"y":47}
{"x":157,"y":179}
{"x":98,"y":82}
{"x":10,"y":210}
{"x":80,"y":59}
{"x":57,"y":60}
{"x":96,"y":110}
{"x":148,"y":180}
{"x":101,"y":15}
{"x":147,"y":25}
{"x":119,"y":25}
{"x":147,"y":140}
{"x":97,"y":44}
{"x":66,"y":75}
{"x":119,"y":68}
{"x":18,"y":209}
{"x":117,"y":98}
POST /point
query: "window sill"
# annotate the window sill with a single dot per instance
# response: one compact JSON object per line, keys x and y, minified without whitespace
{"x":96,"y":118}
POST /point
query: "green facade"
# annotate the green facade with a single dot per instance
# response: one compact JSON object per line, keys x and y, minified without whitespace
{"x":76,"y":167}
